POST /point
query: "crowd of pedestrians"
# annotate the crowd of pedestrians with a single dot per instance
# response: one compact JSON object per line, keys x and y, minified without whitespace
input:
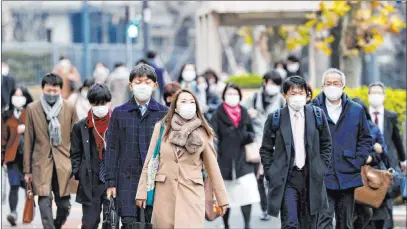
{"x":151,"y":149}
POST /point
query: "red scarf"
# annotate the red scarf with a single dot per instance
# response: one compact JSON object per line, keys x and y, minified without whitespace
{"x":234,"y":113}
{"x":100,"y":126}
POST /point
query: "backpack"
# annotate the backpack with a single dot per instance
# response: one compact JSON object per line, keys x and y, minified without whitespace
{"x":275,"y":125}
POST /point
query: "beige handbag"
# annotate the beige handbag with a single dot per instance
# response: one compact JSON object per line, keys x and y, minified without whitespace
{"x":375,"y":185}
{"x":252,"y":152}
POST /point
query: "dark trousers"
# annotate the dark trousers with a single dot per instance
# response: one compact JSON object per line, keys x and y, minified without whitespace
{"x":294,"y":208}
{"x":63,"y":206}
{"x":341,"y":205}
{"x":363,"y":215}
{"x":129,"y":221}
{"x":262,"y":189}
{"x":388,"y":223}
{"x":91,"y":212}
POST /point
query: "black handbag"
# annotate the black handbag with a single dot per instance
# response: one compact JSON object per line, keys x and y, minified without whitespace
{"x":111,"y":220}
{"x":144,"y":222}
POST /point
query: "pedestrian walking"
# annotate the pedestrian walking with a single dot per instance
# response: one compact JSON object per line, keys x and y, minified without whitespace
{"x":280,"y":67}
{"x":101,"y":73}
{"x":293,"y":66}
{"x":233,"y":127}
{"x":117,"y":83}
{"x":187,"y":77}
{"x":8,"y":83}
{"x":259,"y":106}
{"x":387,"y":122}
{"x":296,"y":153}
{"x":208,"y":100}
{"x":128,"y":137}
{"x":186,"y":146}
{"x":169,"y":90}
{"x":47,"y":141}
{"x":216,"y":85}
{"x":12,"y":145}
{"x":81,"y":101}
{"x":351,"y":148}
{"x":366,"y":217}
{"x":88,"y":145}
{"x":69,"y":74}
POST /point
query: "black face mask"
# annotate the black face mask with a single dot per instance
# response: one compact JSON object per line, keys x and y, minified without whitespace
{"x":51,"y":99}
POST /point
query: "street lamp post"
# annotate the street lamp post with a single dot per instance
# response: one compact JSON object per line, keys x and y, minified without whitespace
{"x":85,"y":32}
{"x":146,"y":16}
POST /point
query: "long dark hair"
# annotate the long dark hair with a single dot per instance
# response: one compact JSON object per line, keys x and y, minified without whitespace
{"x":8,"y":113}
{"x":168,"y":117}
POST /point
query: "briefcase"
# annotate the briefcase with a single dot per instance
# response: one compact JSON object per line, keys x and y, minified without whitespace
{"x":375,"y":185}
{"x":144,"y":222}
{"x":111,"y":220}
{"x":29,"y":205}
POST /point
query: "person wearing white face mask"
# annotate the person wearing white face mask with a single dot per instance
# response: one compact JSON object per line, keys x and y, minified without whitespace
{"x":187,"y":77}
{"x":259,"y":106}
{"x":293,"y":66}
{"x":88,"y":145}
{"x":131,"y":125}
{"x":80,"y":100}
{"x":352,"y":144}
{"x":208,"y":100}
{"x":182,"y":144}
{"x":296,"y":152}
{"x":234,"y":129}
{"x":12,"y":138}
{"x":387,"y":122}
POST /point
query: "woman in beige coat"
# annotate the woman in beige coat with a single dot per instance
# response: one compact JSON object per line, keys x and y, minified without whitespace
{"x":186,"y":146}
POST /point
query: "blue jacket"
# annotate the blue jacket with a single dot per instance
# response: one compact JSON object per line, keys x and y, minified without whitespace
{"x":351,"y":144}
{"x":128,"y":139}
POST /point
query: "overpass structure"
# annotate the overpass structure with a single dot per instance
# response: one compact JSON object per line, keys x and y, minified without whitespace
{"x":214,"y":14}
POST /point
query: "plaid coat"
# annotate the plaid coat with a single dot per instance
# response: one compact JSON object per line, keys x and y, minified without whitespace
{"x":128,"y":138}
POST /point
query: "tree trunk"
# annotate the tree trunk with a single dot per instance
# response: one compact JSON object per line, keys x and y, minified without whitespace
{"x":351,"y":65}
{"x":335,"y":46}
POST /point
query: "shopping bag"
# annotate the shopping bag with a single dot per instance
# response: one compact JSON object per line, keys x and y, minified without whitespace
{"x":29,"y":205}
{"x":144,"y":222}
{"x":111,"y":220}
{"x":403,"y":186}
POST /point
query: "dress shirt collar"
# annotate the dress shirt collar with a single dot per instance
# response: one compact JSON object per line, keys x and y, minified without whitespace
{"x":331,"y":106}
{"x":292,"y":112}
{"x":379,"y":109}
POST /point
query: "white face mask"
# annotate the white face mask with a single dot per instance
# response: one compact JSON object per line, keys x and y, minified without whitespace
{"x":297,"y":102}
{"x":188,"y":75}
{"x":333,"y":93}
{"x":187,"y":111}
{"x":18,"y":101}
{"x":142,"y":91}
{"x":272,"y":89}
{"x":100,"y":111}
{"x":4,"y":71}
{"x":282,"y":72}
{"x":232,"y":100}
{"x":376,"y":100}
{"x":293,"y":67}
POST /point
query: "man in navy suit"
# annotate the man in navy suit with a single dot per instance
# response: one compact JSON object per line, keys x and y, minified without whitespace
{"x":351,"y":147}
{"x":128,"y":137}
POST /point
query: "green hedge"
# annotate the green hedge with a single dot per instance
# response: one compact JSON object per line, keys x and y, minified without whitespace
{"x":246,"y":81}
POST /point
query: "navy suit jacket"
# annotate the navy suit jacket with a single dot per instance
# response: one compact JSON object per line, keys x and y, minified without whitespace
{"x":351,"y":144}
{"x":128,"y":139}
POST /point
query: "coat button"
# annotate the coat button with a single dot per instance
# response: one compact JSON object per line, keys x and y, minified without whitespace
{"x":282,"y":179}
{"x":87,"y":141}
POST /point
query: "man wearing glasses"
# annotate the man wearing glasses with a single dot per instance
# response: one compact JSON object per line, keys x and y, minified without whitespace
{"x":351,"y":146}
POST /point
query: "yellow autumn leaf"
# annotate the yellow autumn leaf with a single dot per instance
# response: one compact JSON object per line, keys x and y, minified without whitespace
{"x":302,"y":30}
{"x":397,"y":21}
{"x":378,"y":39}
{"x":378,"y":20}
{"x":361,"y":41}
{"x":283,"y":32}
{"x":390,"y":8}
{"x":320,"y":26}
{"x":310,"y":23}
{"x":364,"y":14}
{"x":248,"y":40}
{"x":341,"y":7}
{"x":375,"y":3}
{"x":329,"y":39}
{"x":303,"y":41}
{"x":322,"y":6}
{"x":327,"y":51}
{"x":311,"y":16}
{"x":354,"y":52}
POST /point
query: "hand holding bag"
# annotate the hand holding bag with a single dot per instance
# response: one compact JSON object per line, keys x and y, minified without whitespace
{"x":28,"y":215}
{"x":375,"y":185}
{"x":252,"y":152}
{"x":111,"y":220}
{"x":212,"y":210}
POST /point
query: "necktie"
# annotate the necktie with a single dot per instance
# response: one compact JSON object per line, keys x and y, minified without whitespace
{"x":376,"y":117}
{"x":142,"y":109}
{"x":299,"y":141}
{"x":102,"y":171}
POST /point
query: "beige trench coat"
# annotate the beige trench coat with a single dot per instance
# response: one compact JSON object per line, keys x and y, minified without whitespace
{"x":179,"y":200}
{"x":37,"y":149}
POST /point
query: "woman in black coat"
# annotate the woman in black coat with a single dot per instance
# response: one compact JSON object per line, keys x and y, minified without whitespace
{"x":234,"y":130}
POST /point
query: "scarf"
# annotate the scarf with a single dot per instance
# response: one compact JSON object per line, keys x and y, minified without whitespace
{"x":99,"y":130}
{"x":234,"y":113}
{"x":184,"y":133}
{"x":54,"y":127}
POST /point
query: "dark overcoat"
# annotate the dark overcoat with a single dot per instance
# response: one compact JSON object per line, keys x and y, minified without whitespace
{"x":392,"y":137}
{"x":351,"y":144}
{"x":276,"y":154}
{"x":128,"y":138}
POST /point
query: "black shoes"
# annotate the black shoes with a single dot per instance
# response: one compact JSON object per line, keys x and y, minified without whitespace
{"x":12,"y":218}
